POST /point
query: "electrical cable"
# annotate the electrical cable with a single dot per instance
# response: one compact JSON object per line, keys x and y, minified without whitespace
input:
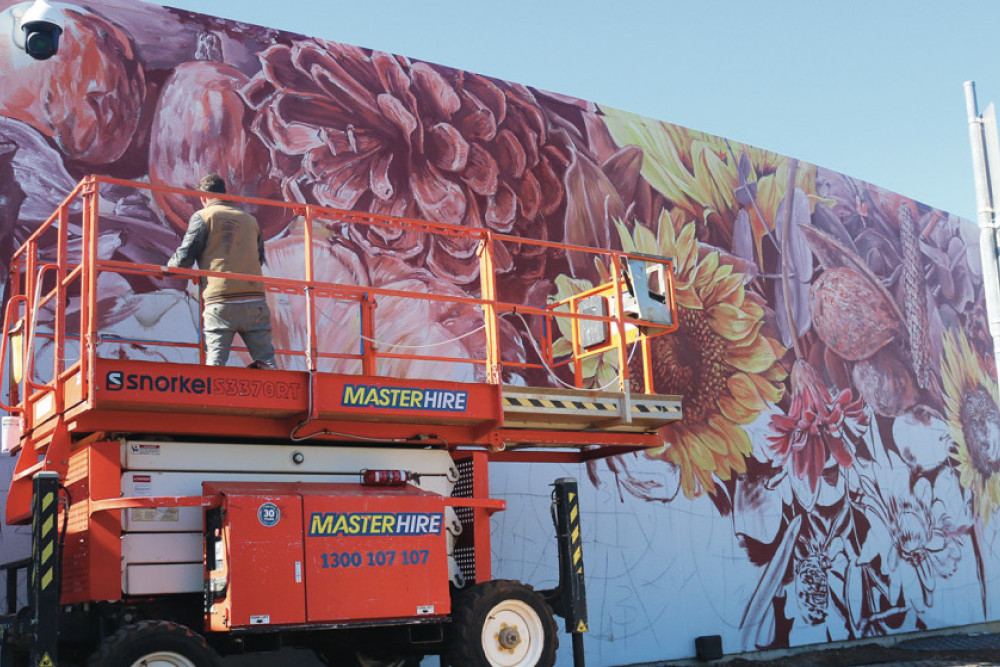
{"x":65,"y":504}
{"x":552,"y":372}
{"x":418,"y":347}
{"x":376,"y":341}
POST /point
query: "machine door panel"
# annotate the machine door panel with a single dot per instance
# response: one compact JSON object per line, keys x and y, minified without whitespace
{"x":375,"y":555}
{"x":263,"y":533}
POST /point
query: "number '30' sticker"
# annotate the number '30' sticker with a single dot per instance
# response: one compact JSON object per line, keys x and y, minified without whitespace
{"x":268,"y":514}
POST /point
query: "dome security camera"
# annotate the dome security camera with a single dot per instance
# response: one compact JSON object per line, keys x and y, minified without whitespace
{"x":42,"y":24}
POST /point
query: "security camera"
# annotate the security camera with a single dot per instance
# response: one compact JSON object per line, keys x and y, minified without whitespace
{"x":42,"y":24}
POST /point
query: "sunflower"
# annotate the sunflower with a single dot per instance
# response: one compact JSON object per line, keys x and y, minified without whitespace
{"x":718,"y":360}
{"x":973,"y":422}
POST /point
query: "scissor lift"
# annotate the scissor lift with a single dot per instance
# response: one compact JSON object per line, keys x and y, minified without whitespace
{"x":84,"y":420}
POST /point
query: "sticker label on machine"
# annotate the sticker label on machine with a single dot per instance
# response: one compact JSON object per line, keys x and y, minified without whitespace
{"x":144,"y":449}
{"x":406,"y":398}
{"x":389,"y":524}
{"x":330,"y":524}
{"x":178,"y":384}
{"x":142,"y":486}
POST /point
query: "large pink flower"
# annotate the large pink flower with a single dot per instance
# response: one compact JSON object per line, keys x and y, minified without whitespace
{"x":355,"y":129}
{"x":815,"y":426}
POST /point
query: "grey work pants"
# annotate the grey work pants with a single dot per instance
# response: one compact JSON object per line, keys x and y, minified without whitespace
{"x":250,"y":319}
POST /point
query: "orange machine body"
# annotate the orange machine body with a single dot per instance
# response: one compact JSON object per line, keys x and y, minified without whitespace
{"x":326,"y":554}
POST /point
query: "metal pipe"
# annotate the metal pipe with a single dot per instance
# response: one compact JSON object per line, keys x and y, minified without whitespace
{"x":579,"y":658}
{"x":985,"y":218}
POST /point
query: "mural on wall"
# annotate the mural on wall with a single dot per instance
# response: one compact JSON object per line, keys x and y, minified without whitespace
{"x":839,"y":393}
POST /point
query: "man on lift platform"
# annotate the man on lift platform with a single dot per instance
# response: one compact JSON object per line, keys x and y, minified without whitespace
{"x":221,"y":237}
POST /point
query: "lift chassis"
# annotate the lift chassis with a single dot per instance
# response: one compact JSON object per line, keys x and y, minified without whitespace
{"x":245,"y":551}
{"x":182,"y":512}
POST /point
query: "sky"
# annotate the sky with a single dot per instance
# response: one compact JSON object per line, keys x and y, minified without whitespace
{"x":870,"y":88}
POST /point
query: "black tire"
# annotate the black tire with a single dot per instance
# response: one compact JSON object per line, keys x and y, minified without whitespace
{"x":166,"y":644}
{"x":501,"y":624}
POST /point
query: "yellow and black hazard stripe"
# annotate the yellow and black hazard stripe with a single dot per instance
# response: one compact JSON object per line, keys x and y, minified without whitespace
{"x":654,"y":408}
{"x":576,"y":545}
{"x":559,"y":404}
{"x":47,"y":540}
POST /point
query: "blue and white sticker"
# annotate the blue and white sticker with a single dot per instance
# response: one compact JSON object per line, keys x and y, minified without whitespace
{"x":268,"y":514}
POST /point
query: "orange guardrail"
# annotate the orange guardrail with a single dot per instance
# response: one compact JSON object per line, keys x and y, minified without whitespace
{"x":56,"y":318}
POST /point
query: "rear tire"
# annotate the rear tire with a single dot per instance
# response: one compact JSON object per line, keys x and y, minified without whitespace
{"x":154,"y":644}
{"x":501,"y":624}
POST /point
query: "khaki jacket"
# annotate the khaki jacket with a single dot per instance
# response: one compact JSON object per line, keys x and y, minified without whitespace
{"x":223,"y":238}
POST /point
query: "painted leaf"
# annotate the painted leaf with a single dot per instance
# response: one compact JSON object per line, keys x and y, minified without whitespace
{"x":715,"y":182}
{"x":743,"y":245}
{"x":796,"y":251}
{"x":662,"y":166}
{"x":746,"y":191}
{"x":592,"y":203}
{"x":796,"y":308}
{"x":824,"y":219}
{"x":792,"y":293}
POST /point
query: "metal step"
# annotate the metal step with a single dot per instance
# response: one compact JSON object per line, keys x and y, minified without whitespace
{"x":582,"y":409}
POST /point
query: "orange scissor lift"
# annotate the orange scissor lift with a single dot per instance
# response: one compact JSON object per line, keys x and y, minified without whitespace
{"x":86,"y":416}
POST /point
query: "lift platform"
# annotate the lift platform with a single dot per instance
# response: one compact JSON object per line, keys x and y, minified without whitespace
{"x":67,"y":390}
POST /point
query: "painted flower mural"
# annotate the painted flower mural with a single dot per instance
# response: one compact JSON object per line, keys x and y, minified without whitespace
{"x":924,"y":537}
{"x":354,"y":129}
{"x":90,"y":101}
{"x":838,"y":460}
{"x":814,"y":428}
{"x":973,"y":423}
{"x":204,"y":96}
{"x":719,"y":360}
{"x":855,"y":329}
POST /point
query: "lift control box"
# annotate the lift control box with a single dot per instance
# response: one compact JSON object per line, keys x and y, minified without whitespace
{"x":289,"y":553}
